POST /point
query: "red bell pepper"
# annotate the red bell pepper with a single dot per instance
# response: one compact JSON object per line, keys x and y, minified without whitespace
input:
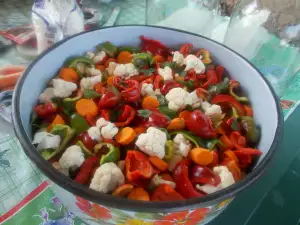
{"x":216,"y":159}
{"x":227,"y":99}
{"x":91,"y":120}
{"x":200,"y":124}
{"x":130,"y":89}
{"x":183,"y":184}
{"x":128,"y":114}
{"x":226,"y":142}
{"x":109,"y":100}
{"x":238,"y":140}
{"x":105,"y":114}
{"x":233,"y":168}
{"x":169,"y":85}
{"x":186,"y":49}
{"x":212,"y":79}
{"x":220,"y":72}
{"x":139,"y":170}
{"x":45,"y":110}
{"x":165,"y":192}
{"x":158,"y":82}
{"x":203,"y":175}
{"x":249,"y":151}
{"x":157,"y":119}
{"x":87,"y":141}
{"x":244,"y":159}
{"x":202,"y":93}
{"x":154,"y":46}
{"x":86,"y":170}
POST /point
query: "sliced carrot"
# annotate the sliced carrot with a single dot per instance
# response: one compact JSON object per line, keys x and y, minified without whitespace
{"x":100,"y":67}
{"x":124,"y":57}
{"x":201,"y":156}
{"x":230,"y":154}
{"x":150,"y":102}
{"x":176,"y":124}
{"x":139,"y":194}
{"x":109,"y":80}
{"x":184,"y":115}
{"x":139,"y":130}
{"x":99,"y":87}
{"x":123,"y":191}
{"x":7,"y":70}
{"x":57,"y":120}
{"x":249,"y":110}
{"x":9,"y":80}
{"x":159,"y":59}
{"x":69,"y":74}
{"x":165,"y":192}
{"x":125,"y":136}
{"x":106,"y":64}
{"x":158,"y":163}
{"x":86,"y":107}
{"x":167,"y":177}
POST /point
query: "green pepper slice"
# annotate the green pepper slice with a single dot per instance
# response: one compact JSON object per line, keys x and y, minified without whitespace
{"x":169,"y":150}
{"x":78,"y":123}
{"x":197,"y":141}
{"x":69,"y":103}
{"x":130,"y":49}
{"x":111,"y":153}
{"x":72,"y":62}
{"x":85,"y":150}
{"x":235,"y":84}
{"x":171,"y":114}
{"x":252,"y":132}
{"x":108,"y":48}
{"x":143,"y":59}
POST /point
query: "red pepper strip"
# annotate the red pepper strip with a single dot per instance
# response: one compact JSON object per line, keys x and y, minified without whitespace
{"x":91,"y":120}
{"x":157,"y":119}
{"x":218,"y":99}
{"x":245,"y":160}
{"x":249,"y":151}
{"x":158,"y":82}
{"x":186,"y":49}
{"x":105,"y":114}
{"x":230,"y":122}
{"x":126,"y":117}
{"x":227,"y":144}
{"x":237,"y":140}
{"x":139,"y":170}
{"x":183,"y":184}
{"x":203,"y":175}
{"x":212,"y":79}
{"x":87,"y":169}
{"x":165,"y":192}
{"x":233,"y":168}
{"x":45,"y":110}
{"x":191,"y":75}
{"x":131,"y":90}
{"x":220,"y":72}
{"x":202,"y":93}
{"x":109,"y":100}
{"x":153,"y":46}
{"x":168,"y":86}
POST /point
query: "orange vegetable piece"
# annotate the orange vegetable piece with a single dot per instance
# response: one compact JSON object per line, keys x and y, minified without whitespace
{"x":249,"y":110}
{"x":159,"y":59}
{"x":233,"y":168}
{"x":176,"y":124}
{"x":69,"y":74}
{"x":231,"y":155}
{"x":201,"y":156}
{"x":99,"y":88}
{"x":179,"y":79}
{"x":170,"y":58}
{"x":139,"y":194}
{"x":226,"y":141}
{"x":100,"y":67}
{"x":150,"y":102}
{"x":184,"y":115}
{"x":125,"y":136}
{"x":165,"y":192}
{"x":123,"y":191}
{"x":167,"y":177}
{"x":109,"y":80}
{"x":86,"y":107}
{"x":158,"y":163}
{"x":106,"y":64}
{"x":124,"y":57}
{"x":57,"y":120}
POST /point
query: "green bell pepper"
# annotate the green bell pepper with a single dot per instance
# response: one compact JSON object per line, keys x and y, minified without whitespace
{"x":197,"y":141}
{"x":169,"y":150}
{"x":235,"y":84}
{"x":108,"y":48}
{"x":111,"y":153}
{"x":130,"y":49}
{"x":78,"y":123}
{"x":143,"y":59}
{"x":211,"y":144}
{"x":86,"y":152}
{"x":72,"y":62}
{"x":69,"y":103}
{"x":252,"y":132}
{"x":171,"y":114}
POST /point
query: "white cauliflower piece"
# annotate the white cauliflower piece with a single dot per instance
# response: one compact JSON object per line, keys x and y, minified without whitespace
{"x":63,"y":89}
{"x":125,"y":71}
{"x":153,"y":142}
{"x":80,"y":67}
{"x":173,"y":161}
{"x":157,"y":180}
{"x":107,"y":178}
{"x":196,"y":101}
{"x":90,"y":55}
{"x":72,"y":157}
{"x":182,"y":146}
{"x":178,"y":98}
{"x":87,"y":83}
{"x":94,"y":133}
{"x":166,"y":73}
{"x":91,"y":71}
{"x":101,"y":122}
{"x":147,"y":89}
{"x":178,"y":58}
{"x":99,"y":57}
{"x":212,"y":111}
{"x":227,"y":179}
{"x":46,"y":140}
{"x":111,"y":68}
{"x":47,"y":95}
{"x":58,"y":167}
{"x":193,"y":62}
{"x":109,"y":131}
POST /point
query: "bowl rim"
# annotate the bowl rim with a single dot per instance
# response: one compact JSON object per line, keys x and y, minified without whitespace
{"x":132,"y":205}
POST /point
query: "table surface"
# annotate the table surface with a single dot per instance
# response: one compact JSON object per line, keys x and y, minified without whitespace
{"x":271,"y":200}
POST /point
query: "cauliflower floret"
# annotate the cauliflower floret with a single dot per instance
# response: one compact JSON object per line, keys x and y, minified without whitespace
{"x":91,"y":71}
{"x":157,"y":180}
{"x":147,"y":89}
{"x":107,"y":178}
{"x":58,"y":167}
{"x":178,"y":58}
{"x":182,"y":145}
{"x":46,"y":140}
{"x":125,"y":70}
{"x":193,"y":62}
{"x":87,"y":83}
{"x":47,"y":95}
{"x":166,"y":73}
{"x":101,"y":122}
{"x":212,"y":111}
{"x":178,"y":98}
{"x":173,"y":161}
{"x":109,"y":131}
{"x":63,"y":89}
{"x":153,"y":142}
{"x":99,"y":57}
{"x":72,"y":157}
{"x":80,"y":67}
{"x":90,"y":55}
{"x":111,"y":68}
{"x":227,"y":179}
{"x":94,"y":133}
{"x":196,"y":101}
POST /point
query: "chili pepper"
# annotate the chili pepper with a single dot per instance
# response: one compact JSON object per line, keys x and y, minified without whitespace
{"x":200,"y":124}
{"x":154,"y":46}
{"x":142,"y":60}
{"x":203,"y":175}
{"x":78,"y":123}
{"x":220,"y":72}
{"x":251,"y":131}
{"x":186,"y":49}
{"x":169,"y":150}
{"x":232,"y":85}
{"x":212,"y":79}
{"x":237,"y":139}
{"x":169,"y":85}
{"x":227,"y":99}
{"x":197,"y":141}
{"x":113,"y":154}
{"x":45,"y":110}
{"x":205,"y":54}
{"x":110,"y":99}
{"x":139,"y":170}
{"x":233,"y":124}
{"x":108,"y":48}
{"x":128,"y":114}
{"x":72,"y":62}
{"x":130,"y":89}
{"x":183,"y":184}
{"x":86,"y":170}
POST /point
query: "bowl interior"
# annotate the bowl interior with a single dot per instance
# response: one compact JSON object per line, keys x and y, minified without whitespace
{"x":264,"y":103}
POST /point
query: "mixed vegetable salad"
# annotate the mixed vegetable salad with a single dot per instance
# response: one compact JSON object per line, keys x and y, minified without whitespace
{"x":146,"y":123}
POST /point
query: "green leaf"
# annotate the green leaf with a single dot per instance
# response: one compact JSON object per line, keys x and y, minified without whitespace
{"x":171,"y":114}
{"x":147,"y":72}
{"x":197,"y":141}
{"x":222,"y":87}
{"x":143,"y":59}
{"x":189,"y":84}
{"x":212,"y":143}
{"x":91,"y":94}
{"x":235,"y":125}
{"x":144,"y":113}
{"x":4,"y":163}
{"x":108,"y":48}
